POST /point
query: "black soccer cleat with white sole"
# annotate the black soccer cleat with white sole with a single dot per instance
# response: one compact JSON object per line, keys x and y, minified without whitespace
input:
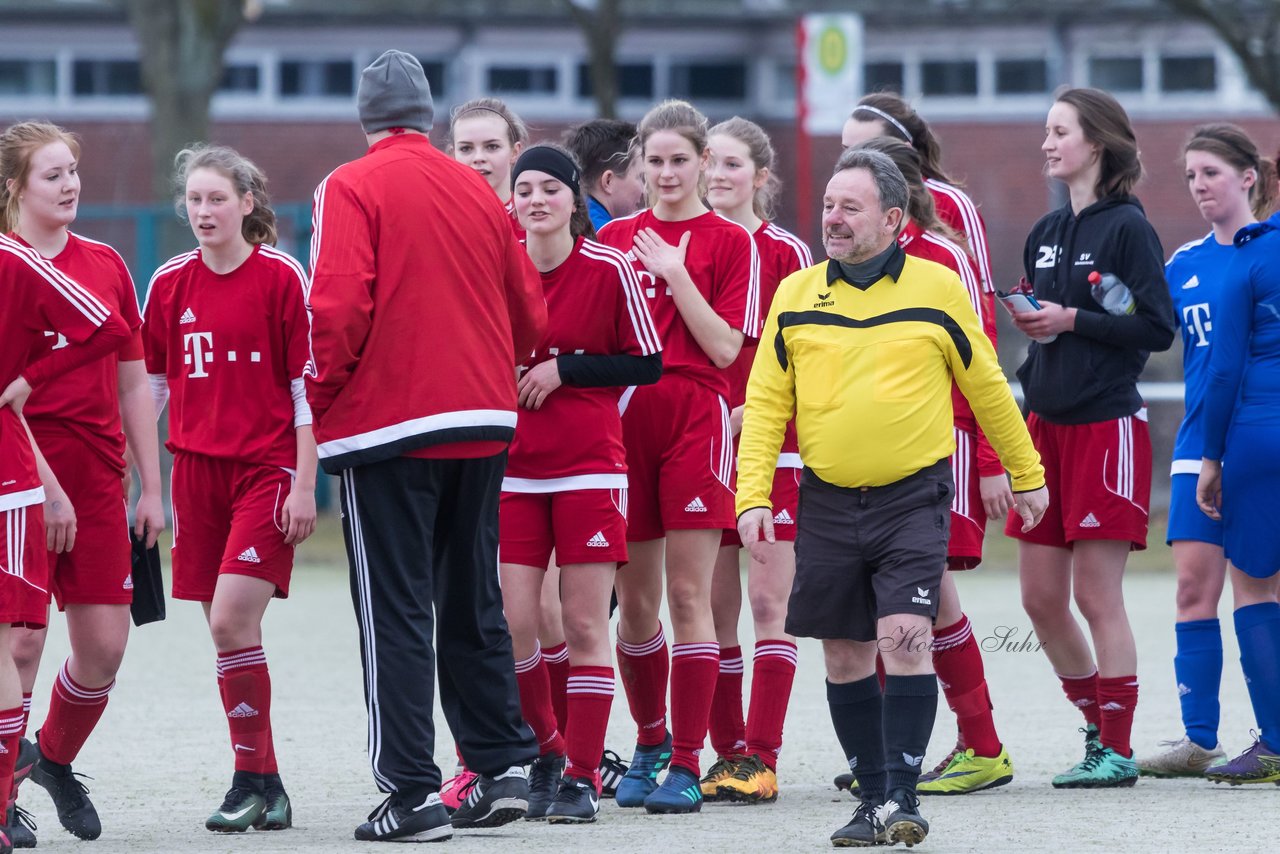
{"x":575,"y":803}
{"x":395,"y":821}
{"x":493,"y":801}
{"x":900,"y":815}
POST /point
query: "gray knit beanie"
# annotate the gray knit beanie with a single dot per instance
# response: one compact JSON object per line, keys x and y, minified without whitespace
{"x":394,"y":93}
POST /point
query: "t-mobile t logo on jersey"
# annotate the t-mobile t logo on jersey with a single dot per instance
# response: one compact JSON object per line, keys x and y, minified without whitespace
{"x":1195,"y":320}
{"x":198,"y":347}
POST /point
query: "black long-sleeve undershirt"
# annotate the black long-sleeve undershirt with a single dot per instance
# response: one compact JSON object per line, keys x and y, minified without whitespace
{"x":587,"y":370}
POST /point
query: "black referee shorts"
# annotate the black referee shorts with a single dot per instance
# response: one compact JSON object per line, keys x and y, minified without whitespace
{"x":867,"y":553}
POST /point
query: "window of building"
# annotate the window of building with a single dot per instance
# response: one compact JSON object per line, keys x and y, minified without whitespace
{"x":1116,"y":73}
{"x":726,"y":81}
{"x":28,"y":77}
{"x":523,"y":79}
{"x":882,"y":77}
{"x":1022,"y":76}
{"x":949,"y":78}
{"x":435,"y":71}
{"x":240,"y":79}
{"x":635,"y":80}
{"x":106,"y":77}
{"x":311,"y":78}
{"x":1188,"y":74}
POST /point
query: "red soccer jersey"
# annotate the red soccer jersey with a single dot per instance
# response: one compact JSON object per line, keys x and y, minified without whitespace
{"x":35,"y":298}
{"x":85,"y":401}
{"x":957,"y":210}
{"x":934,"y":247}
{"x":781,"y":253}
{"x":721,"y":260}
{"x":510,"y":208}
{"x":574,"y":441}
{"x":230,"y":345}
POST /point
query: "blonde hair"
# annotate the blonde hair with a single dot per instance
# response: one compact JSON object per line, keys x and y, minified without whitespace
{"x":517,"y":131}
{"x":760,"y":149}
{"x":679,"y":117}
{"x":17,"y":144}
{"x":259,"y":225}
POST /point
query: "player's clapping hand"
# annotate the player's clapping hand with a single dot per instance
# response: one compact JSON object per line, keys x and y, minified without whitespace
{"x":15,"y":395}
{"x":658,"y":256}
{"x":59,"y":521}
{"x":1031,"y":506}
{"x":538,"y":382}
{"x":755,"y":527}
{"x":298,"y":515}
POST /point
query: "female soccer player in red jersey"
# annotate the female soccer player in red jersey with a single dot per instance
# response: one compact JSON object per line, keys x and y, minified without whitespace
{"x":226,"y":334}
{"x":1088,"y":420}
{"x":741,"y":186}
{"x":887,"y":114}
{"x":979,"y":760}
{"x":487,"y":135}
{"x":701,"y":277}
{"x":570,"y":497}
{"x":82,"y":425}
{"x":35,"y":300}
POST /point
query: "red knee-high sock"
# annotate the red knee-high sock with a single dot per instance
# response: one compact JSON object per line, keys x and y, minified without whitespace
{"x":246,"y":697}
{"x":644,"y":668}
{"x":958,"y":663}
{"x":535,"y":704}
{"x":772,"y":672}
{"x":1117,"y":700}
{"x":556,"y":658}
{"x":694,"y":667}
{"x":10,"y":733}
{"x":590,"y":696}
{"x":1082,"y":691}
{"x":26,"y":712}
{"x":728,"y":729}
{"x":74,"y":710}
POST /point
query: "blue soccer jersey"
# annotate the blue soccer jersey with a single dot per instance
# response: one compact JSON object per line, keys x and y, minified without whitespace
{"x":1195,"y":273}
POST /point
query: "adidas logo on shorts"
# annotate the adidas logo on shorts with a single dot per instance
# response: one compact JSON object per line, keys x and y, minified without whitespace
{"x":244,"y":710}
{"x":695,"y":506}
{"x":128,"y":582}
{"x":188,"y":316}
{"x":249,"y":555}
{"x":783,"y":518}
{"x":598,"y":541}
{"x":1090,"y":521}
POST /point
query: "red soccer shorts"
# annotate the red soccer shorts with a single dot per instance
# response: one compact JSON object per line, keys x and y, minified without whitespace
{"x":98,"y":570}
{"x":785,"y":499}
{"x":1099,"y":479}
{"x":581,"y":526}
{"x":226,"y":518}
{"x":24,"y":599}
{"x":968,"y":518}
{"x":679,"y":459}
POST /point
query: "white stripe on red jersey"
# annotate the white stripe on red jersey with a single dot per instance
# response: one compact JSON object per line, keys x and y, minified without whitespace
{"x":957,"y":210}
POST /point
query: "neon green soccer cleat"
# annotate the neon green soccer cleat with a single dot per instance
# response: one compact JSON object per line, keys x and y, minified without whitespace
{"x":970,"y":773}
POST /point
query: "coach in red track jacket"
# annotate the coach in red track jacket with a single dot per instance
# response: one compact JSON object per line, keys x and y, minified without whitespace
{"x":422,"y":303}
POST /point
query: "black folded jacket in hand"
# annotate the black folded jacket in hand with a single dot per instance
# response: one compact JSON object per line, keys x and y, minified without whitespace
{"x":148,"y":583}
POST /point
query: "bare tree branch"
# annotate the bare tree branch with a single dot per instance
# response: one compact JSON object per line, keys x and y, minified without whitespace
{"x":1251,"y":28}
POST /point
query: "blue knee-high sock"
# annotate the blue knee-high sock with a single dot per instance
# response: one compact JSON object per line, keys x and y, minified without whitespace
{"x":1198,"y":667}
{"x":1258,"y":631}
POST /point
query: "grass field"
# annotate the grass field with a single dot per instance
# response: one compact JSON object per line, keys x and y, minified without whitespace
{"x":161,"y":760}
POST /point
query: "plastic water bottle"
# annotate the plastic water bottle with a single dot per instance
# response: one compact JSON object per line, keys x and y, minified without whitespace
{"x":1111,"y":293}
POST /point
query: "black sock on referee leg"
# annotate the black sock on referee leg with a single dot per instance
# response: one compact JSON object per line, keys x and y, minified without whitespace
{"x":910,"y":705}
{"x":856,"y":712}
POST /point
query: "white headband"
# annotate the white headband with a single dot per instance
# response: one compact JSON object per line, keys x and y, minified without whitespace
{"x":888,"y":118}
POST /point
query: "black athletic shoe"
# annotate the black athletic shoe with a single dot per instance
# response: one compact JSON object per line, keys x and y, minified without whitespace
{"x":242,"y":807}
{"x":863,"y":830}
{"x":279,"y":812}
{"x":6,"y":847}
{"x":612,"y":769}
{"x":575,"y":803}
{"x":494,"y":801}
{"x":394,"y":821}
{"x":544,"y":782}
{"x":20,"y":827}
{"x":901,"y":818}
{"x":28,"y":756}
{"x":70,"y":796}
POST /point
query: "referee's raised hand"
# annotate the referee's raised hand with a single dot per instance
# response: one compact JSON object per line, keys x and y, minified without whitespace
{"x":755,"y":527}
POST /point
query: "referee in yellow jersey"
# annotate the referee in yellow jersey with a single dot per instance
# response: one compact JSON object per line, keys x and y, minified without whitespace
{"x":863,"y":349}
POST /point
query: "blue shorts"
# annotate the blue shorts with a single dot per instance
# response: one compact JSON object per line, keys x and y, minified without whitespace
{"x":1250,"y":502}
{"x":1186,"y":520}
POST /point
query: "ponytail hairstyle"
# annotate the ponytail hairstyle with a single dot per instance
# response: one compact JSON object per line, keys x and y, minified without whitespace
{"x":760,"y":149}
{"x":902,"y":122}
{"x":517,"y":131}
{"x":580,"y":220}
{"x":920,"y":208}
{"x":1233,"y":145}
{"x":1106,"y":124}
{"x":259,"y":225}
{"x":682,"y":118}
{"x":17,"y":144}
